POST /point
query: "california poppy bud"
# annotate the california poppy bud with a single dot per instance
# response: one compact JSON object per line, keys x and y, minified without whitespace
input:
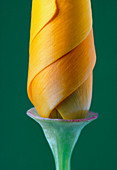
{"x":62,"y":58}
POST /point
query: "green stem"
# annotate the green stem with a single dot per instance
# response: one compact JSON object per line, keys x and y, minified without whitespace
{"x":62,"y":152}
{"x":62,"y":159}
{"x":62,"y":135}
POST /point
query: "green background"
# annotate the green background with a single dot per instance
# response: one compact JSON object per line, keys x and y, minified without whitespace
{"x":22,"y":143}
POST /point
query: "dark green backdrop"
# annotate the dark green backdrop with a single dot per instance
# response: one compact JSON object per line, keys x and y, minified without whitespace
{"x":22,"y":143}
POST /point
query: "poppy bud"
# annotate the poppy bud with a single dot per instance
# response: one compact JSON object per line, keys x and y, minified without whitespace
{"x":61,"y":58}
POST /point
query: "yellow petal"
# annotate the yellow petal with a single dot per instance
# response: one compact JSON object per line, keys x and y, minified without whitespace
{"x":42,"y":13}
{"x":77,"y":104}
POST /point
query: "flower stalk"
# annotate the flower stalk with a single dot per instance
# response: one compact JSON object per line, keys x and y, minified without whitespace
{"x":62,"y":135}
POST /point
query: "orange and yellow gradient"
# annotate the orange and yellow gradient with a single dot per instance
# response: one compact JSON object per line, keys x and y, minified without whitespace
{"x":61,"y":58}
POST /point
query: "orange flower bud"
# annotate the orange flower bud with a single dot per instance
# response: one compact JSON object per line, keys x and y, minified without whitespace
{"x":62,"y":58}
